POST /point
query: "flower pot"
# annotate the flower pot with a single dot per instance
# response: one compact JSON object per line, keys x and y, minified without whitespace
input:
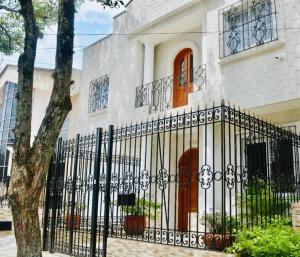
{"x":217,"y":241}
{"x":134,"y":225}
{"x":76,"y":222}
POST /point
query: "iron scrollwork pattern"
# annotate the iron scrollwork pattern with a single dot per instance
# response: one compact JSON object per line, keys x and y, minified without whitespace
{"x":247,"y":24}
{"x":159,"y":93}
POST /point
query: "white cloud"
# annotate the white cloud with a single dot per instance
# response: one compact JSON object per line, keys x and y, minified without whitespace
{"x":91,"y":12}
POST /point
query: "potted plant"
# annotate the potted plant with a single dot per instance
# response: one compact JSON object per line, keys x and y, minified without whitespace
{"x":220,"y":234}
{"x":134,"y":221}
{"x":77,"y":217}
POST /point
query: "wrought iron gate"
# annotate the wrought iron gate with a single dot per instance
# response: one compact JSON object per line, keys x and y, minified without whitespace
{"x":77,"y":201}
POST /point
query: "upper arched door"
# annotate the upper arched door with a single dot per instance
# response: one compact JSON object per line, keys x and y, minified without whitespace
{"x":183,"y":77}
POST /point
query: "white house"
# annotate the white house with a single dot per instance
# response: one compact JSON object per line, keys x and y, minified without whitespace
{"x":168,"y":57}
{"x":246,"y":51}
{"x":166,"y":63}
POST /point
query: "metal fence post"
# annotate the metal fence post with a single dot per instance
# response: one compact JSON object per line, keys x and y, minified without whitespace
{"x":107,"y":188}
{"x":54,"y":199}
{"x":47,"y":205}
{"x":95,"y":200}
{"x":71,"y":235}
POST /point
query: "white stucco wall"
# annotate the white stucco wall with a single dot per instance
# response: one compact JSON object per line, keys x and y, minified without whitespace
{"x":251,"y":79}
{"x":42,"y":88}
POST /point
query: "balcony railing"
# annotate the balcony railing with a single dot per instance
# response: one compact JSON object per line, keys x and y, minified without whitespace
{"x":159,"y":94}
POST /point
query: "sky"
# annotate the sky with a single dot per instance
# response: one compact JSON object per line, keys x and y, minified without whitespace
{"x":91,"y":17}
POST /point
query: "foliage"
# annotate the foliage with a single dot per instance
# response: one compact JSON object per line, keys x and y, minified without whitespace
{"x":111,"y":3}
{"x":261,"y":199}
{"x":142,"y":207}
{"x":218,"y":223}
{"x":12,"y":26}
{"x":267,"y":240}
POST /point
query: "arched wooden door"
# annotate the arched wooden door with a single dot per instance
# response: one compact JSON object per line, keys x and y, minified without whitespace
{"x":183,"y":77}
{"x":188,"y":187}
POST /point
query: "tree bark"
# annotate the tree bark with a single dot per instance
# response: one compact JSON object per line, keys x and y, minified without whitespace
{"x":23,"y":203}
{"x":27,"y":228}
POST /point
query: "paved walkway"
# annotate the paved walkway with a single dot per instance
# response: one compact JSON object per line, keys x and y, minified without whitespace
{"x":116,"y":247}
{"x":119,"y":248}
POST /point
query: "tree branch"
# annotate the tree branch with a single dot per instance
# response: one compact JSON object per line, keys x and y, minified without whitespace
{"x":8,"y":35}
{"x":9,"y":9}
{"x":25,"y":83}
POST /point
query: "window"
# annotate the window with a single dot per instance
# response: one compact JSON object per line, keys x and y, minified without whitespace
{"x":282,"y":165}
{"x":247,"y":24}
{"x":256,"y":160}
{"x":98,"y":97}
{"x":8,"y":104}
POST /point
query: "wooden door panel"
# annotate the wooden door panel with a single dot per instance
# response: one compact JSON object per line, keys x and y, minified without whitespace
{"x":188,"y":187}
{"x":182,"y":78}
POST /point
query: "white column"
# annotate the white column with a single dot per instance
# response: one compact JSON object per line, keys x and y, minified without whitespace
{"x":207,"y":154}
{"x":149,"y":62}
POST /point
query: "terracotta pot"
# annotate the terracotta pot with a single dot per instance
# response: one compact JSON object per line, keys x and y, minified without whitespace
{"x":76,"y":223}
{"x":217,"y":241}
{"x":134,"y":225}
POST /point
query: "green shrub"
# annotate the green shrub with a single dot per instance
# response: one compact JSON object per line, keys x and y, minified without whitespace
{"x":218,"y":224}
{"x":262,"y":200}
{"x":268,"y":240}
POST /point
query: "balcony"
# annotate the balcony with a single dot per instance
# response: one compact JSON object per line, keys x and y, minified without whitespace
{"x":160,"y":94}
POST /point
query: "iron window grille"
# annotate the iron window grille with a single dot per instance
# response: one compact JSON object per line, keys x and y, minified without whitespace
{"x":247,"y":24}
{"x":98,"y":96}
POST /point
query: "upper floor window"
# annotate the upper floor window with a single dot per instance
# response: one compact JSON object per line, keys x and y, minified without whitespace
{"x":98,"y":97}
{"x":247,"y":24}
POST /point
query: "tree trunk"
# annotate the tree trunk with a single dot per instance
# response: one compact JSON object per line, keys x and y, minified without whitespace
{"x":24,"y":202}
{"x":30,"y":163}
{"x":27,"y":229}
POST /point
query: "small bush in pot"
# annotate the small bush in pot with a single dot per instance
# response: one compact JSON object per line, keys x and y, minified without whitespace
{"x":77,"y":216}
{"x":134,"y":221}
{"x":220,"y":230}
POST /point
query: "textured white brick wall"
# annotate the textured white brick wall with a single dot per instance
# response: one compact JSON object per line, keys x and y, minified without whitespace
{"x":142,"y":12}
{"x":251,"y":79}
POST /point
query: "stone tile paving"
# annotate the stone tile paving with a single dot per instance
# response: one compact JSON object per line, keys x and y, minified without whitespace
{"x":116,"y":247}
{"x":120,"y":248}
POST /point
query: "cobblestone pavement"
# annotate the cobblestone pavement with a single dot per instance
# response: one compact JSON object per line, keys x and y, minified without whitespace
{"x":116,"y":247}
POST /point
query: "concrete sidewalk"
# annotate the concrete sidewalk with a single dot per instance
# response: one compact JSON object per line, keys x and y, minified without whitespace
{"x":8,"y":246}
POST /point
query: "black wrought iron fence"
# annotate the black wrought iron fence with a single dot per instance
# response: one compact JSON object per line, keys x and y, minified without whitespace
{"x":187,"y":180}
{"x":159,"y":94}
